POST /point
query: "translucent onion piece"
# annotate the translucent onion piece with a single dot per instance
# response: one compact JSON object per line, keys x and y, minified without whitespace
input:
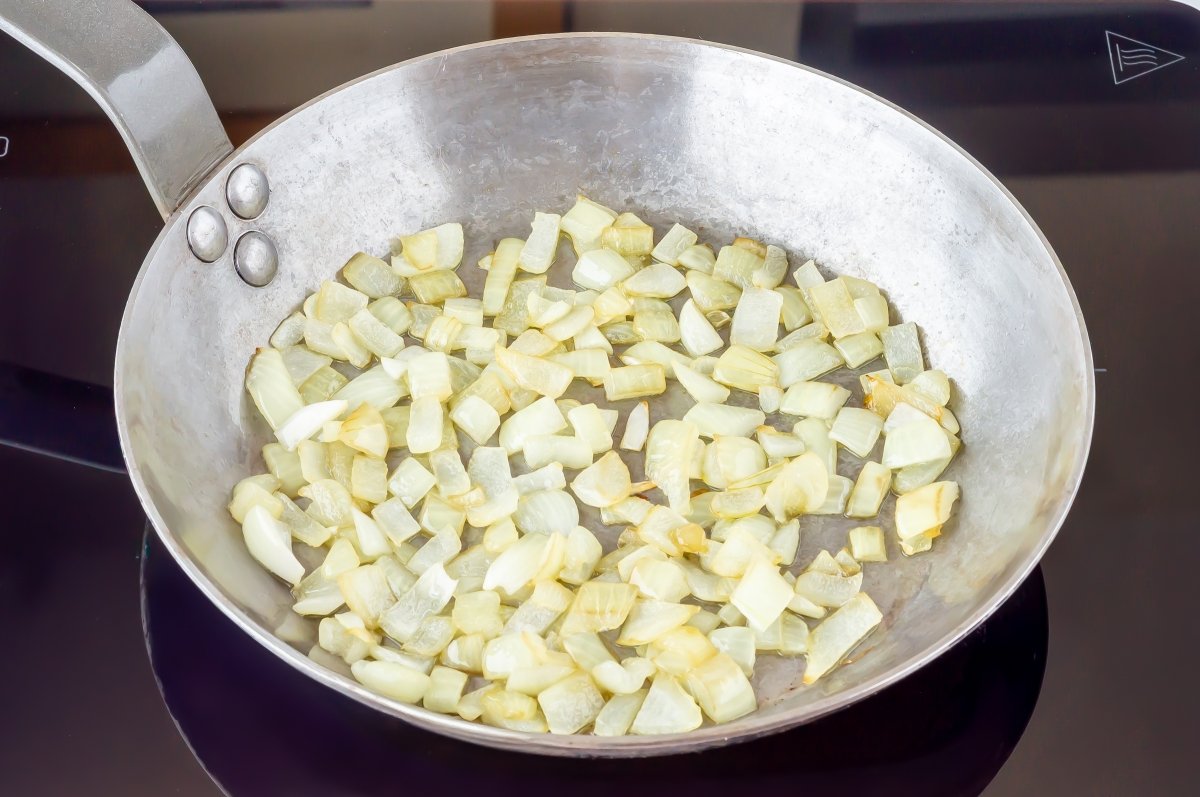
{"x":307,"y":421}
{"x":600,"y":269}
{"x":538,"y":252}
{"x":658,"y":280}
{"x":541,"y":417}
{"x":289,"y":332}
{"x":603,"y":483}
{"x":425,"y":425}
{"x":833,"y":301}
{"x":598,"y":606}
{"x":917,"y":442}
{"x":867,"y":545}
{"x":650,"y":619}
{"x":477,"y":418}
{"x":838,"y":634}
{"x":669,"y":452}
{"x":925,"y":509}
{"x":762,"y":594}
{"x":667,"y":708}
{"x":633,"y":381}
{"x":637,"y":427}
{"x":857,"y":429}
{"x":932,"y":384}
{"x":773,"y":269}
{"x":745,"y":369}
{"x":547,"y":512}
{"x":534,"y":373}
{"x":869,"y":491}
{"x":737,"y":265}
{"x":828,"y":590}
{"x":711,"y":293}
{"x":699,"y":257}
{"x":814,"y":399}
{"x":270,"y":543}
{"x":371,"y":276}
{"x":800,"y":487}
{"x":585,"y":222}
{"x":805,"y":361}
{"x":902,"y":351}
{"x":571,"y":704}
{"x":568,"y":450}
{"x":756,"y":319}
{"x":270,"y":385}
{"x":713,"y":419}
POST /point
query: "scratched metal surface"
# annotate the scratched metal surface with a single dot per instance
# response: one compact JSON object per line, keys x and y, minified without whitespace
{"x":678,"y":131}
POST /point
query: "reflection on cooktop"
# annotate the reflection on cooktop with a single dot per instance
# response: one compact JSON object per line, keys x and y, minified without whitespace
{"x":260,"y":727}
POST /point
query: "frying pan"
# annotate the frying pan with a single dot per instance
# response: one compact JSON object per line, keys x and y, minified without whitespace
{"x":725,"y":140}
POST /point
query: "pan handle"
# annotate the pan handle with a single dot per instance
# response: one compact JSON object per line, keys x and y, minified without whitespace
{"x":142,"y":79}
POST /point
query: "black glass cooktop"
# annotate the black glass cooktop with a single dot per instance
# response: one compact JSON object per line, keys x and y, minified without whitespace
{"x":122,"y":679}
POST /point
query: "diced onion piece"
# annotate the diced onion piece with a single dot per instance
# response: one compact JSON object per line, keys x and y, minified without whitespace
{"x":656,"y":325}
{"x":307,"y":421}
{"x":534,"y":373}
{"x":695,"y":331}
{"x":371,"y":276}
{"x":884,"y":397}
{"x":598,"y":606}
{"x":368,"y":478}
{"x":917,"y":442}
{"x":438,"y":248}
{"x":637,"y":427}
{"x":762,"y":594}
{"x":289,"y":332}
{"x":859,"y":349}
{"x":828,"y":590}
{"x":756,"y":319}
{"x":572,"y":452}
{"x":628,"y":235}
{"x":425,"y":425}
{"x":500,"y":275}
{"x":435,"y":287}
{"x":773,"y":269}
{"x":445,"y":690}
{"x":700,"y":387}
{"x":667,"y":708}
{"x":902,"y":350}
{"x":335,"y":302}
{"x":632,"y":381}
{"x":867,"y":545}
{"x":410,"y":482}
{"x":618,"y":713}
{"x":711,"y":293}
{"x":392,"y":680}
{"x":603,"y":483}
{"x":571,"y":704}
{"x":925,"y":509}
{"x":838,"y":634}
{"x":737,"y":265}
{"x":547,"y":512}
{"x":745,"y":369}
{"x":392,"y":312}
{"x":650,"y":351}
{"x":547,"y":478}
{"x":538,"y":252}
{"x":541,"y":417}
{"x":721,"y":688}
{"x":832,"y":300}
{"x":712,"y":419}
{"x":270,"y":543}
{"x":836,"y":496}
{"x":814,"y":399}
{"x":477,"y":418}
{"x":801,"y":487}
{"x":869,"y":491}
{"x":625,"y":677}
{"x":428,"y":596}
{"x":650,"y":619}
{"x":589,"y":424}
{"x":302,"y":363}
{"x":657,"y":280}
{"x":805,"y":361}
{"x":270,"y":385}
{"x":670,"y":448}
{"x":873,"y":310}
{"x":857,"y":429}
{"x":513,"y":317}
{"x":354,"y":351}
{"x":779,"y":444}
{"x":785,"y":542}
{"x":364,"y":430}
{"x":672,"y":245}
{"x":698,"y":257}
{"x":585,"y":223}
{"x":255,"y":491}
{"x":933,"y":384}
{"x":736,"y":642}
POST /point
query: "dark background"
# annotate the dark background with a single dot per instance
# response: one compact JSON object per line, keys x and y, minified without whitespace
{"x":1110,"y":172}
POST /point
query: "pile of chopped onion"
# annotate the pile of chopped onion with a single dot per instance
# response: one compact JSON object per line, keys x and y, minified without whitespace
{"x":431,"y":490}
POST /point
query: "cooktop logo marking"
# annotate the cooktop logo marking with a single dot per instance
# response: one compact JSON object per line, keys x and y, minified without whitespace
{"x":1131,"y":58}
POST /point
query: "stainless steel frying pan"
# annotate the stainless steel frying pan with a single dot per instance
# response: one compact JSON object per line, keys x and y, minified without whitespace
{"x":725,"y":140}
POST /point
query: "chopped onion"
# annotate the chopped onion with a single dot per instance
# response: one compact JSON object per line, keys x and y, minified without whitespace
{"x":270,"y":543}
{"x":425,"y":425}
{"x":737,"y":265}
{"x":869,"y":491}
{"x":833,"y":301}
{"x":859,"y":349}
{"x":925,"y":509}
{"x":633,"y":381}
{"x":814,"y":399}
{"x":669,"y":452}
{"x":585,"y":223}
{"x":667,"y":708}
{"x":540,"y":417}
{"x":711,"y":419}
{"x":839,"y":633}
{"x":756,"y":319}
{"x":745,"y":369}
{"x":805,"y":361}
{"x":572,"y":452}
{"x":711,"y":293}
{"x":657,"y":280}
{"x":902,"y":350}
{"x":856,"y":429}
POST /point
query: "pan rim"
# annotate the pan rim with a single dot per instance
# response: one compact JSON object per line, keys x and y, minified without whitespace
{"x":587,"y":745}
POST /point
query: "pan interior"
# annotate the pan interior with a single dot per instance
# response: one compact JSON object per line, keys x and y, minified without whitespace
{"x":724,"y":141}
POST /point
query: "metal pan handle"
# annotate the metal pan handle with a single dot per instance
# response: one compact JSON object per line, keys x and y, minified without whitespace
{"x":142,"y":79}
